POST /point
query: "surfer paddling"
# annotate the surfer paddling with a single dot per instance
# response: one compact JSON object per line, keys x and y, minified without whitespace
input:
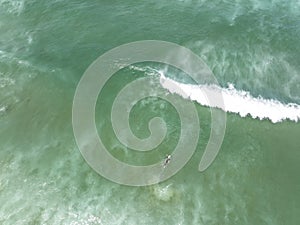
{"x":167,"y":160}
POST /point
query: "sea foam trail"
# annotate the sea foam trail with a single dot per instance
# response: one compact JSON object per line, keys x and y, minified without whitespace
{"x":235,"y":101}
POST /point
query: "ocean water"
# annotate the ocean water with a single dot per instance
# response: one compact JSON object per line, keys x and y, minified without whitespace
{"x":253,"y":49}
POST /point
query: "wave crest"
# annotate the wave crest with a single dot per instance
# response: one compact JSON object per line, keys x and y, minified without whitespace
{"x":236,"y":101}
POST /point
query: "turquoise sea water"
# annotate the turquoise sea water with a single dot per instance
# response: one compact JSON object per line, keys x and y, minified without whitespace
{"x":45,"y":47}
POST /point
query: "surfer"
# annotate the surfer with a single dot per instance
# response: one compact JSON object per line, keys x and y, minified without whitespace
{"x":167,"y":160}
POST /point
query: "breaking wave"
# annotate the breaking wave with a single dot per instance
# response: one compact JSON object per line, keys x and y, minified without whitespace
{"x":235,"y":101}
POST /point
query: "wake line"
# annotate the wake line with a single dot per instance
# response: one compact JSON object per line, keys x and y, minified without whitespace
{"x":235,"y":101}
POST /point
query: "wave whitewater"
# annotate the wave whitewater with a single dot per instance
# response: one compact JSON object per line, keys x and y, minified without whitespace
{"x":235,"y":101}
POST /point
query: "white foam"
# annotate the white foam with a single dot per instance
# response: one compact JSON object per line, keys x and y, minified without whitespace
{"x":164,"y":193}
{"x":235,"y":101}
{"x":3,"y":109}
{"x":13,"y":6}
